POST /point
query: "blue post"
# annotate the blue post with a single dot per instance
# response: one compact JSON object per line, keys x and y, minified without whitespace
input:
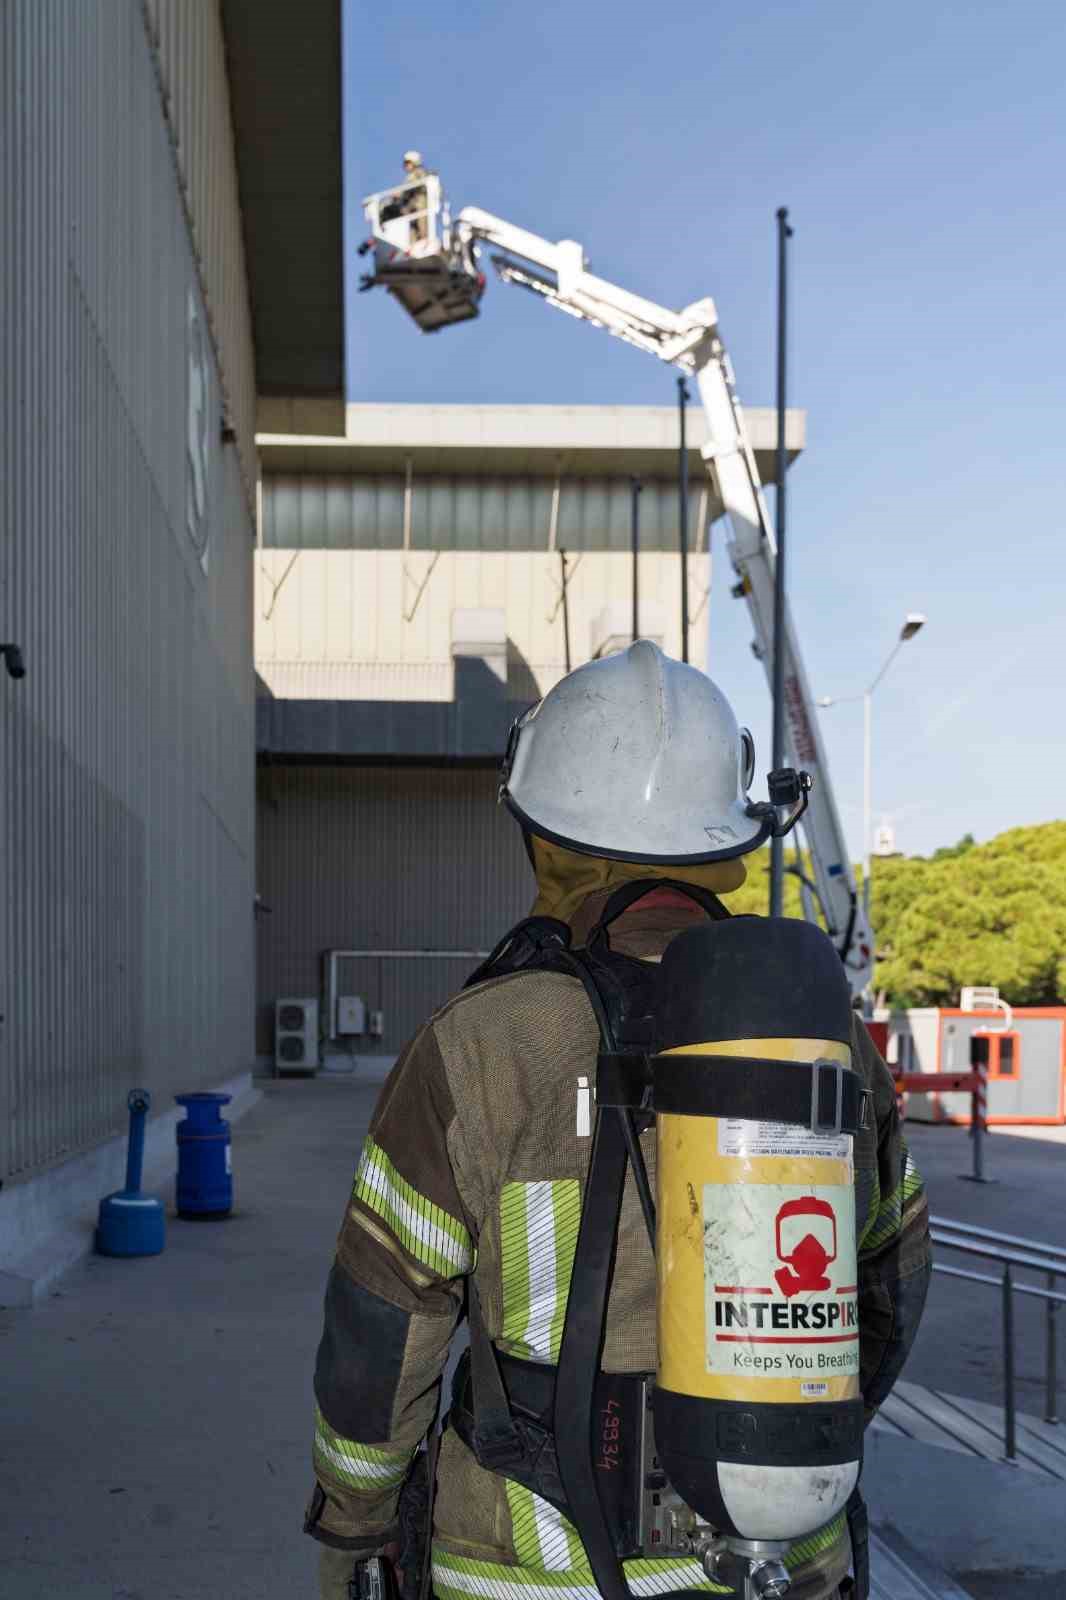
{"x":138,"y":1104}
{"x":132,"y":1223}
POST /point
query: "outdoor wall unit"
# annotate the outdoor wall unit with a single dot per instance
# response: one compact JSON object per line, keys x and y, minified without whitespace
{"x":296,"y":1035}
{"x":351,"y":1016}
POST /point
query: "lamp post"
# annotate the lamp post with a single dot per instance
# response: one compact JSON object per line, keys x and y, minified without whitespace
{"x":778,"y":757}
{"x":912,"y":622}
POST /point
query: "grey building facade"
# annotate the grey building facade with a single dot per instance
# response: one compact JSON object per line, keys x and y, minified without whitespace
{"x":135,"y":310}
{"x":409,"y":604}
{"x":416,"y":868}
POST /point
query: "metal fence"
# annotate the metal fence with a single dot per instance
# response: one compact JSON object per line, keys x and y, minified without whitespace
{"x":1012,"y":1253}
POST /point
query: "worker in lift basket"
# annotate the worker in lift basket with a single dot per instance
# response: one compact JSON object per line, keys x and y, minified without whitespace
{"x":468,"y":1192}
{"x":414,"y":199}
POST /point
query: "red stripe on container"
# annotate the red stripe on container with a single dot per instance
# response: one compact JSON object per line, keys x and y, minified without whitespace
{"x":784,"y":1338}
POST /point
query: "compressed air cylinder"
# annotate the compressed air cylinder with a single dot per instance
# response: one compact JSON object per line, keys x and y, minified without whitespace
{"x":758,"y":1416}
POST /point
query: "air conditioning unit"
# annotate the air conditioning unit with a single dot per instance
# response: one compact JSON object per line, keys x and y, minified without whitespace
{"x":296,"y":1035}
{"x":983,"y":997}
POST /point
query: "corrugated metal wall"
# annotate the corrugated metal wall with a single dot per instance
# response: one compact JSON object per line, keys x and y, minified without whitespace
{"x":374,"y":608}
{"x":312,"y":511}
{"x":382,"y":859}
{"x":126,"y":753}
{"x":189,"y":56}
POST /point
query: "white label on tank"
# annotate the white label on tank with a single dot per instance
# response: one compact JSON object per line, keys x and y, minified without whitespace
{"x":738,"y":1137}
{"x":229,"y":1160}
{"x":779,"y":1278}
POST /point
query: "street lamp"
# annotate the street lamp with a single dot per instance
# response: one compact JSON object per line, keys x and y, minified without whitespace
{"x":913,"y":622}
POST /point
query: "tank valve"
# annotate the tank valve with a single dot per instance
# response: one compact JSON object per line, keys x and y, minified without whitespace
{"x":769,"y":1580}
{"x":753,"y":1567}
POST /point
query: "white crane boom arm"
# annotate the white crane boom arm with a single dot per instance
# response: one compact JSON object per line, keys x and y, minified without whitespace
{"x":690,"y":339}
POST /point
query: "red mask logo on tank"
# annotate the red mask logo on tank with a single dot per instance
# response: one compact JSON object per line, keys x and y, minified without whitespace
{"x":805,"y":1244}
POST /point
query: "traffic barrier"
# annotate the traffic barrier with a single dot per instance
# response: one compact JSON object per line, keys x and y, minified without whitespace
{"x":975,"y":1084}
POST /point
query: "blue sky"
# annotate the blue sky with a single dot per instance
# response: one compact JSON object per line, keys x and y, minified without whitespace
{"x":920,"y":149}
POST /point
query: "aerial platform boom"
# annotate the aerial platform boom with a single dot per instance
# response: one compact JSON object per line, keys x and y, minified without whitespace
{"x":688,"y":339}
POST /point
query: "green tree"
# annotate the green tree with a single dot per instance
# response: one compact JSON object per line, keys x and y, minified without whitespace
{"x":969,"y":914}
{"x":992,"y":913}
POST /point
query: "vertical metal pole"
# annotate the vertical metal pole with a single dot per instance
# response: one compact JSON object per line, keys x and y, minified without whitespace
{"x":867,"y":799}
{"x":682,"y":511}
{"x":1051,"y":1401}
{"x":634,"y":484}
{"x":777,"y":848}
{"x":566,"y":613}
{"x":977,"y":1118}
{"x":1008,"y":1361}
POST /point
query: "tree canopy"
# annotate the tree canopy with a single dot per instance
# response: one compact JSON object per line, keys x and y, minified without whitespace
{"x":969,"y":914}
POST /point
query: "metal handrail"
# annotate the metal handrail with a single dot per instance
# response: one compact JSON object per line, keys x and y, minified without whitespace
{"x":1012,"y":1251}
{"x":994,"y":1252}
{"x":999,"y":1238}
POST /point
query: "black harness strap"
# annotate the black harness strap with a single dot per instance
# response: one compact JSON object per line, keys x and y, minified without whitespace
{"x":822,"y":1095}
{"x":524,"y":946}
{"x":858,"y":1587}
{"x":497,"y":1441}
{"x":582,"y":1343}
{"x":629,"y":893}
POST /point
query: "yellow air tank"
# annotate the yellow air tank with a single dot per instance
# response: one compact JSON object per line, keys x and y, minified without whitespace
{"x":758,"y":1416}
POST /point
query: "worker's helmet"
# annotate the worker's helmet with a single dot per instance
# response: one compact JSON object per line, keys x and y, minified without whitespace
{"x":412,"y":158}
{"x":638,"y":758}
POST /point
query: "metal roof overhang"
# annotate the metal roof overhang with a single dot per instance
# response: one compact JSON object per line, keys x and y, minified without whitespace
{"x":519,"y":441}
{"x":284,"y":64}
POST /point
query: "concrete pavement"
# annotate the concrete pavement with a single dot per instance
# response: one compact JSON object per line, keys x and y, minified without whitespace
{"x":155,"y":1432}
{"x":156,"y":1420}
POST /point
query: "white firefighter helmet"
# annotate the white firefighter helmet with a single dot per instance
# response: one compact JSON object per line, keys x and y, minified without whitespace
{"x":412,"y":158}
{"x":639,"y":758}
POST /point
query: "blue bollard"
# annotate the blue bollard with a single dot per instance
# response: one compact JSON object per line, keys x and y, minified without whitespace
{"x":205,"y":1172}
{"x":131,"y":1223}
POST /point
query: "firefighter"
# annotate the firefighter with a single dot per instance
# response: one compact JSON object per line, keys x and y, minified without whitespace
{"x":469,"y":1187}
{"x":413,"y":200}
{"x":413,"y":168}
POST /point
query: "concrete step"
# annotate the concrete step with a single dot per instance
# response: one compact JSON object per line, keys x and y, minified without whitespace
{"x":972,"y":1427}
{"x":899,"y":1572}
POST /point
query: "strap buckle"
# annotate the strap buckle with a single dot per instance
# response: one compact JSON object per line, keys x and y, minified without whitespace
{"x":500,"y":1448}
{"x":835,"y":1071}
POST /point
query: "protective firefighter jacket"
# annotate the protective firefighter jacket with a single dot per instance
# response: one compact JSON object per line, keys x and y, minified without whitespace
{"x":475,"y":1162}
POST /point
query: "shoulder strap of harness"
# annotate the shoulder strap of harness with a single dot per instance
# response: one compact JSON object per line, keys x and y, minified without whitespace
{"x":528,"y":944}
